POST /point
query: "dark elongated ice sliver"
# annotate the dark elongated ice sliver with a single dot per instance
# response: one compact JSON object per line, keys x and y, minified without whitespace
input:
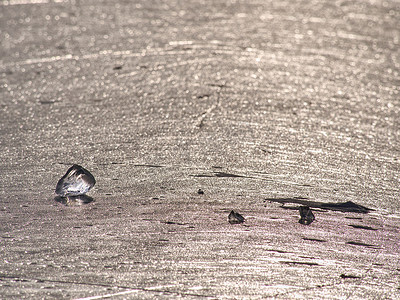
{"x":77,"y":181}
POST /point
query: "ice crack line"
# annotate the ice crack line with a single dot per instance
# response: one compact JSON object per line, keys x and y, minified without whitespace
{"x":200,"y":120}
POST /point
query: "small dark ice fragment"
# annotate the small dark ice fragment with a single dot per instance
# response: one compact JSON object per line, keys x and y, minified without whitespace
{"x":363,"y":227}
{"x":314,"y":240}
{"x":235,"y":218}
{"x":172,"y":223}
{"x":200,"y":192}
{"x":77,"y":181}
{"x":344,"y":276}
{"x":362,"y":244}
{"x":223,"y":174}
{"x":306,"y":215}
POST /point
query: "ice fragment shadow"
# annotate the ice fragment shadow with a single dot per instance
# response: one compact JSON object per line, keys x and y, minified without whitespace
{"x":348,"y":206}
{"x":74,"y":200}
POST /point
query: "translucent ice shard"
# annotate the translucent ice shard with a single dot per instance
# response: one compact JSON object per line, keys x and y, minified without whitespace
{"x":77,"y":181}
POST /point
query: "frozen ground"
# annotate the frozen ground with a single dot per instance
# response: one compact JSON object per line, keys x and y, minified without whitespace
{"x":251,"y":101}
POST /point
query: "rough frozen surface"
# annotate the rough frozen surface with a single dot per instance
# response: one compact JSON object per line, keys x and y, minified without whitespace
{"x":246,"y":100}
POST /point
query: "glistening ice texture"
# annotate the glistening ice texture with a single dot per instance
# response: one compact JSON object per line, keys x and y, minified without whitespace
{"x":245,"y":100}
